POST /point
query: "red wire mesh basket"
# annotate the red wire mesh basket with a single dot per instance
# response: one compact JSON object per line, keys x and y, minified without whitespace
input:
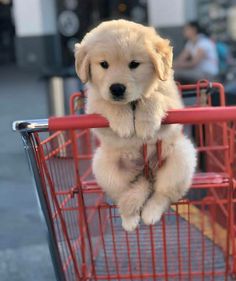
{"x":195,"y":239}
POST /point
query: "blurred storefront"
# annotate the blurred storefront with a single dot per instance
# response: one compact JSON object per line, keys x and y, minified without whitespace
{"x":45,"y":37}
{"x":39,"y":35}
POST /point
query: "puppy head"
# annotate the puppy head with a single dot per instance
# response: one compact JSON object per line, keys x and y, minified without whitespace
{"x":121,"y":60}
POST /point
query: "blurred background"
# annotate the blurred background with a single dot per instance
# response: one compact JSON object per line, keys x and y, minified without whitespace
{"x":37,"y":78}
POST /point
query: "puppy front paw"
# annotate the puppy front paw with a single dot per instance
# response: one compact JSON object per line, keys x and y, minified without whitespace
{"x":152,"y":211}
{"x":130,"y":223}
{"x":123,"y":126}
{"x":147,"y":129}
{"x":148,"y":117}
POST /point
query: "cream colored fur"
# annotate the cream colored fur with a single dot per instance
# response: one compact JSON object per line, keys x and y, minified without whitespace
{"x":117,"y":163}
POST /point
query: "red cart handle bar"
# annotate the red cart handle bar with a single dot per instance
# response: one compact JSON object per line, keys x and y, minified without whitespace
{"x":197,"y":115}
{"x":183,"y":116}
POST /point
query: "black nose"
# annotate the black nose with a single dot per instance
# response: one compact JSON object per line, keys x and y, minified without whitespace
{"x":117,"y":91}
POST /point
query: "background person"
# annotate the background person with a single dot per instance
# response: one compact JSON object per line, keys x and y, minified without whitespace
{"x":199,"y":59}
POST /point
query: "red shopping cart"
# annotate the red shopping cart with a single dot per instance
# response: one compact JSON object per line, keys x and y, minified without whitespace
{"x":195,"y":239}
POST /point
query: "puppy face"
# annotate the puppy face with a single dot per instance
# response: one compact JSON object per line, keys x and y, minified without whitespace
{"x":121,"y":60}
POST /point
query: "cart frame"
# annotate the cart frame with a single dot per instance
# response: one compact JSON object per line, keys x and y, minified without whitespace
{"x":27,"y":127}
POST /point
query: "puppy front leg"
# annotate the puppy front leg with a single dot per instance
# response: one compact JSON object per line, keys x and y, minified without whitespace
{"x":126,"y":186}
{"x":120,"y":117}
{"x":172,"y":181}
{"x":148,"y":115}
{"x":121,"y":121}
{"x":132,"y":200}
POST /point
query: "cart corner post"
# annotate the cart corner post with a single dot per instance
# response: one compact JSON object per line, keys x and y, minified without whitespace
{"x":25,"y":129}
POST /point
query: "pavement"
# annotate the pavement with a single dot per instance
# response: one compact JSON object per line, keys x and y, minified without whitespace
{"x":24,"y":254}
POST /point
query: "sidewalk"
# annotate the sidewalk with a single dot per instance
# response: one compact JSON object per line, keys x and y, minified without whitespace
{"x":24,"y":254}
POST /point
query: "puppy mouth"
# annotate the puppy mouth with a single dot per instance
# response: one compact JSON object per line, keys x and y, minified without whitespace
{"x":123,"y":100}
{"x":118,"y":99}
{"x":132,"y":103}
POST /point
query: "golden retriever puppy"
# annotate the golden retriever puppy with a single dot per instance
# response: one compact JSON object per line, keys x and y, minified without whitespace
{"x":128,"y":71}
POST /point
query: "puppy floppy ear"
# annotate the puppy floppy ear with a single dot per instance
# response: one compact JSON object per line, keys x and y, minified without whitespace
{"x":81,"y":62}
{"x":161,"y":54}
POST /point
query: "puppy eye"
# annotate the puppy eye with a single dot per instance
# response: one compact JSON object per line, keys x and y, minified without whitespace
{"x":133,"y":64}
{"x":104,"y":64}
